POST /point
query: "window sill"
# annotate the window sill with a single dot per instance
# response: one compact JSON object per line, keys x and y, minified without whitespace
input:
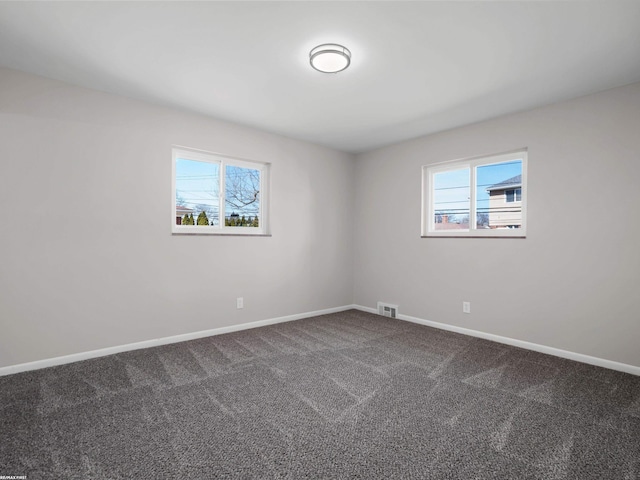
{"x":217,"y":234}
{"x":474,"y":236}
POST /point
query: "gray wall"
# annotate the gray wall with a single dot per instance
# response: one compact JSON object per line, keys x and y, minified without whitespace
{"x":122,"y":277}
{"x":571,"y":284}
{"x":119,"y":276}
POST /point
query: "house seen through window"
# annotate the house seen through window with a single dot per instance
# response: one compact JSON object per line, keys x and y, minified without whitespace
{"x":218,"y":195}
{"x":478,"y":197}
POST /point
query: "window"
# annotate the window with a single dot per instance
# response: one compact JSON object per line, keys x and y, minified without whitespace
{"x":492,"y":190}
{"x":514,"y":195}
{"x":214,"y":194}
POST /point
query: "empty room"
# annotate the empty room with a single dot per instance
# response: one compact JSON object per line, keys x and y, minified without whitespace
{"x":239,"y":240}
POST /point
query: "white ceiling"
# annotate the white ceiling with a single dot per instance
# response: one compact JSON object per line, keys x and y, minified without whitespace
{"x":417,"y":67}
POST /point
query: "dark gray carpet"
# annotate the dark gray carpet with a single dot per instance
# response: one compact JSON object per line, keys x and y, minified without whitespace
{"x":348,"y":395}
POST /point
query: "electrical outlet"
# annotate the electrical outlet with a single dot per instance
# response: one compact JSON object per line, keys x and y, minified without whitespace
{"x":466,"y":307}
{"x":239,"y":302}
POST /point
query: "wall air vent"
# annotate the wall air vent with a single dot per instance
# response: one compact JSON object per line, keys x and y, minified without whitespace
{"x":387,"y":310}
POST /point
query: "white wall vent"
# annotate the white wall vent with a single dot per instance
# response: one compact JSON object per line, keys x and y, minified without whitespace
{"x":387,"y":310}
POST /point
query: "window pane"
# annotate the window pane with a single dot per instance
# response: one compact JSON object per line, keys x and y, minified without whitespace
{"x":509,"y":194}
{"x":197,"y":192}
{"x":452,"y":201}
{"x":242,"y":197}
{"x":451,"y":193}
{"x":499,"y":191}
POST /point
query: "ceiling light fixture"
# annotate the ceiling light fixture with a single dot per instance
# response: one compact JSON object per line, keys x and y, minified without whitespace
{"x":330,"y":58}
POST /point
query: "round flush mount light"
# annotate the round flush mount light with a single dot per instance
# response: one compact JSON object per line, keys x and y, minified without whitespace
{"x":330,"y":58}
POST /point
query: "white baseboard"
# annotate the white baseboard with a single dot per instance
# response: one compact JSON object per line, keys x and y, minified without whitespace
{"x":366,"y":309}
{"x":578,"y":357}
{"x":76,"y":357}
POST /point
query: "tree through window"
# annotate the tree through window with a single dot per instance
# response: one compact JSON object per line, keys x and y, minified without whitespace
{"x":217,"y":194}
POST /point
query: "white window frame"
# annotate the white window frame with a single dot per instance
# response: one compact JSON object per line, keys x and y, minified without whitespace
{"x":428,"y":210}
{"x":223,"y":161}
